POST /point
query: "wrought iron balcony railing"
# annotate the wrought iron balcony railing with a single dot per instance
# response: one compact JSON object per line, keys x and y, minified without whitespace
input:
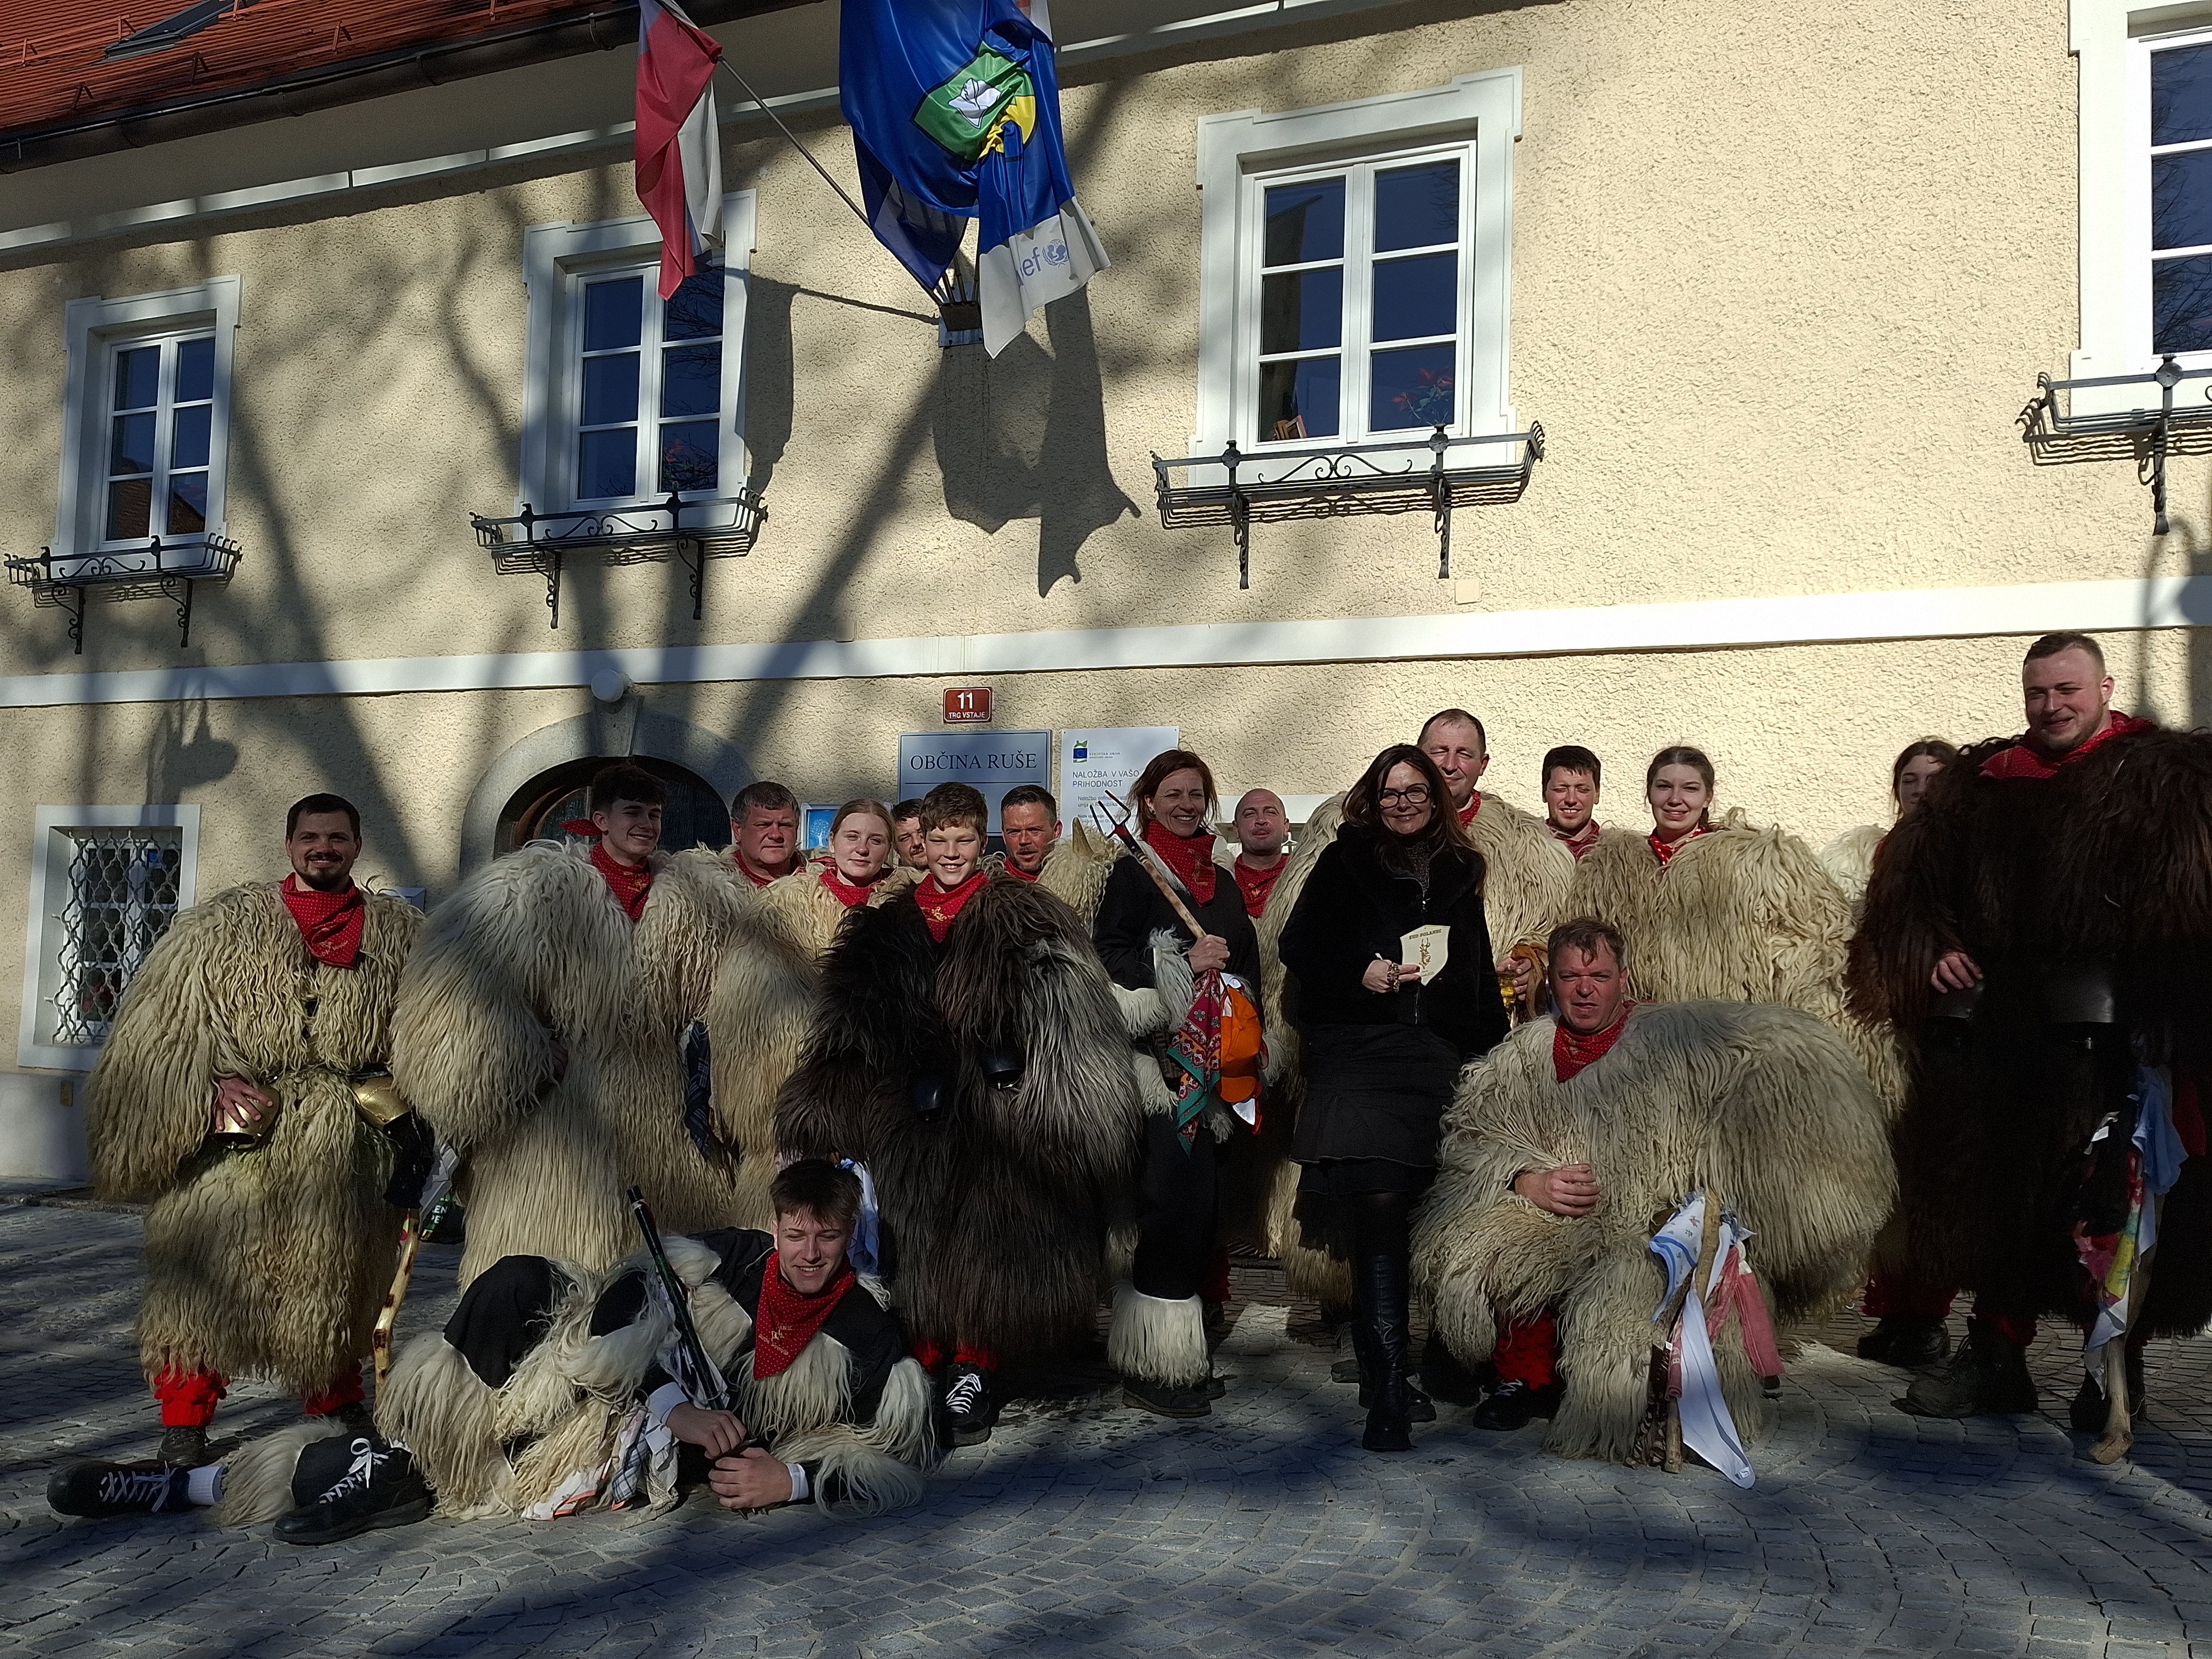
{"x":541,"y":543}
{"x":1240,"y":490}
{"x":2059,"y":430}
{"x":165,"y":570}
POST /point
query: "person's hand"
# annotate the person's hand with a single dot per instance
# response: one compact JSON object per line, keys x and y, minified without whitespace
{"x":1570,"y":1190}
{"x":750,"y":1481}
{"x":716,"y":1434}
{"x":1522,"y":973}
{"x":1383,"y":977}
{"x":1955,"y":971}
{"x":1211,"y":953}
{"x":240,"y":1108}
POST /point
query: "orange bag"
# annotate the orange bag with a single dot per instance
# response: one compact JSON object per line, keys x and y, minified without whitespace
{"x":1244,"y":1047}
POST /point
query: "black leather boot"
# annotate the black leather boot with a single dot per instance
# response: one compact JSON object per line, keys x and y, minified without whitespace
{"x":1446,"y":1379}
{"x":1382,"y":1285}
{"x":1987,"y":1376}
{"x":1911,"y":1342}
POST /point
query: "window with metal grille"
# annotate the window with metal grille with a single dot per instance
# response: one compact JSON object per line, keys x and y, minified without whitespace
{"x":121,"y":897}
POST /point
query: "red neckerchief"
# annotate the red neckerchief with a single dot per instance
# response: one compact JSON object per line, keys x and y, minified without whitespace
{"x":329,"y":923}
{"x":1256,"y":884}
{"x":1466,"y":812}
{"x":746,"y":870}
{"x":1191,"y":858}
{"x":629,"y":883}
{"x":939,"y":907}
{"x":1579,"y":842}
{"x":1020,"y":874}
{"x":583,"y":826}
{"x":851,"y":896}
{"x":1573,"y":1053}
{"x":1665,"y":850}
{"x":2021,"y":760}
{"x":786,"y":1321}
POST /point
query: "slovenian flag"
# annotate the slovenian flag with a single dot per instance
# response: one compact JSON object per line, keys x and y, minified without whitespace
{"x":679,"y":150}
{"x":955,"y":111}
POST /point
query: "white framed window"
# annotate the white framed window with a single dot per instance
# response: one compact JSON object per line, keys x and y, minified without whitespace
{"x":105,"y":883}
{"x":1354,"y":271}
{"x":627,"y":396}
{"x":146,"y":430}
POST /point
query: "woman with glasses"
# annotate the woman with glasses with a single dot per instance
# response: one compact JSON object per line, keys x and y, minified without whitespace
{"x":1395,"y":990}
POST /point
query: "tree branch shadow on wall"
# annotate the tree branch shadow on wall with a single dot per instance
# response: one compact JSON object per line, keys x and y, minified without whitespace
{"x":1024,"y":436}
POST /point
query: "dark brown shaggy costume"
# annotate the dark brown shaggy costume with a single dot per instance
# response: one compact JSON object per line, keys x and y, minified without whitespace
{"x":995,"y":1204}
{"x":2100,"y":875}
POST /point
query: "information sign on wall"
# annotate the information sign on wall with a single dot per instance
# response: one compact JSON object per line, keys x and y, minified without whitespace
{"x":1099,"y":759}
{"x":994,"y":762}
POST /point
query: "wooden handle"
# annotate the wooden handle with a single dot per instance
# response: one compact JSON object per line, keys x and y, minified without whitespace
{"x":387,"y":1317}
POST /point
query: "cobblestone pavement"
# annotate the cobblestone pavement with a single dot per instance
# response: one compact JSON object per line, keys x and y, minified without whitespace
{"x":1085,"y":1527}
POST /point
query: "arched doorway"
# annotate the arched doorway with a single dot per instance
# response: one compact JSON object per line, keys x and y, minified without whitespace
{"x":538,"y":779}
{"x":694,"y":817}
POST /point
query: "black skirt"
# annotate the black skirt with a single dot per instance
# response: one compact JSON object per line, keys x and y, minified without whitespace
{"x":1373,"y":1092}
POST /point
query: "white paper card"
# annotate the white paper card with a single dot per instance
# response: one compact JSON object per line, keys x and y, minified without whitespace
{"x":1428,"y":949}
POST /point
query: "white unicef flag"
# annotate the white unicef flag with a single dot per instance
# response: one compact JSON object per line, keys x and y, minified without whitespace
{"x":1048,"y":261}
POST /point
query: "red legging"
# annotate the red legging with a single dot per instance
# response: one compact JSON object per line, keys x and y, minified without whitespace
{"x":188,"y":1399}
{"x":1907,"y":1298}
{"x":932,"y":1355}
{"x":1529,"y":1351}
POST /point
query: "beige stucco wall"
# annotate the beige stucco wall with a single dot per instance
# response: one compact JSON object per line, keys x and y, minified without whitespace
{"x":1781,"y":282}
{"x":1780,"y":285}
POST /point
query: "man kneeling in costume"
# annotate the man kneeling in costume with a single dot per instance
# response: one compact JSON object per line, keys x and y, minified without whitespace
{"x":1580,"y":1136}
{"x":552,"y":1389}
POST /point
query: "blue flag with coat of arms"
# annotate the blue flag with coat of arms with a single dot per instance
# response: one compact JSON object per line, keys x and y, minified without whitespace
{"x":955,"y":111}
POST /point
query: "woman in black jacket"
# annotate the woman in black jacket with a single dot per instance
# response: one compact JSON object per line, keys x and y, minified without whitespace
{"x":1157,"y":1337}
{"x":1383,"y":1046}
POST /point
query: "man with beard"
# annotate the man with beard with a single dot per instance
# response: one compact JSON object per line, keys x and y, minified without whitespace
{"x":2038,"y":931}
{"x":244,"y":1091}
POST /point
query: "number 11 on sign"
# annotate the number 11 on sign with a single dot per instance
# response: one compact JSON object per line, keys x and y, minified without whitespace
{"x":967,"y":705}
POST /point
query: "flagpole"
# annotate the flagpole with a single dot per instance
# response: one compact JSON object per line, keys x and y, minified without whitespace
{"x":829,"y":179}
{"x":858,"y":212}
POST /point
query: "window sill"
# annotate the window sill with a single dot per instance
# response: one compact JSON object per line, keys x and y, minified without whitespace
{"x":722,"y":527}
{"x":1440,"y":473}
{"x":2143,"y":419}
{"x":159,"y":569}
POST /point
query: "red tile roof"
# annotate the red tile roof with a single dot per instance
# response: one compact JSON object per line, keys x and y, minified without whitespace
{"x":50,"y":50}
{"x":315,"y":52}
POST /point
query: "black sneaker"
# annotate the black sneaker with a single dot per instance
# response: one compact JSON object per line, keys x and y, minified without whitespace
{"x":1908,"y":1342}
{"x":1515,"y":1405}
{"x":104,"y":1489}
{"x":969,"y":1412}
{"x":378,"y":1488}
{"x":1167,"y":1399}
{"x":183,"y":1448}
{"x":1987,"y":1376}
